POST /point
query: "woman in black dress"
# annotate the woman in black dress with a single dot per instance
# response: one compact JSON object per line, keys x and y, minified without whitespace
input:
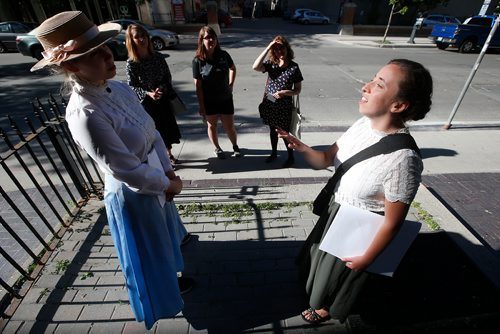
{"x":214,"y":74}
{"x":149,"y":76}
{"x":284,"y":81}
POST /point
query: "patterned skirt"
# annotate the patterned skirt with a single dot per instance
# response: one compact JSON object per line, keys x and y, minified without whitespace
{"x":147,"y":240}
{"x":277,"y":114}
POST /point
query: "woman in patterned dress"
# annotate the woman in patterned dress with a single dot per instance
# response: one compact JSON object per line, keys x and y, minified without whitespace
{"x":401,"y":91}
{"x":149,"y":76}
{"x":284,"y":80}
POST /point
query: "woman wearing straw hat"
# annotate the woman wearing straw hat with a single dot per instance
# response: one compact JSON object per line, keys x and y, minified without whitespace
{"x":107,"y":120}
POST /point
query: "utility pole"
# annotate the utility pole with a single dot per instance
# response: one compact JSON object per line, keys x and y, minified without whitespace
{"x":484,"y":7}
{"x":473,"y":72}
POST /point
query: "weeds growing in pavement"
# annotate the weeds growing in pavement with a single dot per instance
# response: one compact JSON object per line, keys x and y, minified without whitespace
{"x":234,"y":211}
{"x":86,"y":275}
{"x":425,"y":217}
{"x":61,"y":266}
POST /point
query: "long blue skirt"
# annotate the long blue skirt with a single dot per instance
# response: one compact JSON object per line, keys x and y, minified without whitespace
{"x":147,"y":239}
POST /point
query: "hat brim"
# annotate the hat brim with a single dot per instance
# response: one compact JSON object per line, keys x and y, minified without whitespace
{"x":106,"y":32}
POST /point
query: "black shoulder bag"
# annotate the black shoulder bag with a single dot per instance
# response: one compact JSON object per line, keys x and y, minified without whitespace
{"x":387,"y":144}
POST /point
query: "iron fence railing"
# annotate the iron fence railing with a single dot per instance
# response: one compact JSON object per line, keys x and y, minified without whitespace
{"x":44,"y":181}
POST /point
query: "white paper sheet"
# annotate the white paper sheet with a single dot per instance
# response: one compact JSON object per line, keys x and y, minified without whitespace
{"x":352,"y":231}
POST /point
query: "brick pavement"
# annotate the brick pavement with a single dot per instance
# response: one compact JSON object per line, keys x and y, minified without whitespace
{"x":246,"y":277}
{"x":475,"y":200}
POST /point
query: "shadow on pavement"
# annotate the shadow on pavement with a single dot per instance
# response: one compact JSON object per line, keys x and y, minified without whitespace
{"x":437,"y":152}
{"x":242,"y":285}
{"x":434,"y":282}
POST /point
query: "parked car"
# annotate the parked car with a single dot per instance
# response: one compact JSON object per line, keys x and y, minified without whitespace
{"x":297,"y":14}
{"x":433,"y":19}
{"x":468,"y":36}
{"x":313,"y":16}
{"x":160,"y":38}
{"x":8,"y":32}
{"x":223,"y":18}
{"x":29,"y":45}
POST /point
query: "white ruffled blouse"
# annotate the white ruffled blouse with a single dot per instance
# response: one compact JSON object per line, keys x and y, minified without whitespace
{"x":394,"y":176}
{"x":110,"y":124}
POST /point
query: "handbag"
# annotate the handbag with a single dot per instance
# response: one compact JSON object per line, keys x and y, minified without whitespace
{"x":176,"y":105}
{"x":295,"y":124}
{"x":387,"y":144}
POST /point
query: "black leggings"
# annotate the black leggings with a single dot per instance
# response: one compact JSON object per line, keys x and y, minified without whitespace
{"x":274,"y":142}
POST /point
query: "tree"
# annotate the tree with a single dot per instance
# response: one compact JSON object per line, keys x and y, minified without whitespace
{"x":402,"y":6}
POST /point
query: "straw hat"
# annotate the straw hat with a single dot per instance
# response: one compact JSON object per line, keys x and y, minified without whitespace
{"x":69,"y":35}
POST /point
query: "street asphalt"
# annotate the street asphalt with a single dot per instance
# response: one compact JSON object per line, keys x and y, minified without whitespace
{"x":246,"y":279}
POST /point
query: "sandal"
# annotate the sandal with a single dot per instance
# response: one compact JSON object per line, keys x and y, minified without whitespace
{"x":314,"y":317}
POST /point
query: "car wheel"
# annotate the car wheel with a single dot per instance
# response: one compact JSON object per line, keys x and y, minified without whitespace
{"x":158,"y":43}
{"x":467,"y":46}
{"x":2,"y":48}
{"x":441,"y":45}
{"x":305,"y":21}
{"x":36,"y":52}
{"x":325,"y":22}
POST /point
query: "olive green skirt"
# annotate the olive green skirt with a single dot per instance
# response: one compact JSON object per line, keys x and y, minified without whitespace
{"x":329,"y":283}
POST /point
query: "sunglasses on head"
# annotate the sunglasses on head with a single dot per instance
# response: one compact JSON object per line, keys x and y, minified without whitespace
{"x":279,"y":46}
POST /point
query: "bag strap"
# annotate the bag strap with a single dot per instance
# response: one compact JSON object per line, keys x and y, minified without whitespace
{"x":296,"y":102}
{"x":387,"y":144}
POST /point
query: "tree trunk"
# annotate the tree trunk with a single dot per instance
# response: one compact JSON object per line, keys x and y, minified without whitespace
{"x":388,"y":25}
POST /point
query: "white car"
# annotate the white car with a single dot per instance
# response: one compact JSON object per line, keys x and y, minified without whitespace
{"x":160,"y":38}
{"x":313,"y":16}
{"x":297,"y":14}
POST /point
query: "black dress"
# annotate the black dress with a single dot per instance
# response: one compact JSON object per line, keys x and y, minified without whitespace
{"x":279,"y":113}
{"x":147,"y":75}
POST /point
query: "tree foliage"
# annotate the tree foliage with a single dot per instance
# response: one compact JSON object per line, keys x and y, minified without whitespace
{"x":402,"y":6}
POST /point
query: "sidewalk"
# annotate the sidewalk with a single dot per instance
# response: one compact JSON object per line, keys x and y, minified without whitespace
{"x":244,"y":263}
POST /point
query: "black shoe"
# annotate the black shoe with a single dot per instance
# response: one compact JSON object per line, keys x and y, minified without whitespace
{"x":288,"y":163}
{"x":236,"y":152}
{"x":186,"y":239}
{"x":185,"y":284}
{"x":219,"y":153}
{"x":271,"y":158}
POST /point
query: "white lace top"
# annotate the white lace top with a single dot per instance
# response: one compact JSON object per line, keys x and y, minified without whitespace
{"x":395,"y":176}
{"x":110,"y":124}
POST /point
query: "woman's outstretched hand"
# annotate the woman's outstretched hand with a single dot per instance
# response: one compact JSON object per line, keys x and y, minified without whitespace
{"x":293,"y":142}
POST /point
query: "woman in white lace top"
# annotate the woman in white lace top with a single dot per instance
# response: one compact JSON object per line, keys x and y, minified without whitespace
{"x":401,"y":91}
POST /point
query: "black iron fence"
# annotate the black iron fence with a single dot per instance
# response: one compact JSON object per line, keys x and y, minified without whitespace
{"x":44,"y":181}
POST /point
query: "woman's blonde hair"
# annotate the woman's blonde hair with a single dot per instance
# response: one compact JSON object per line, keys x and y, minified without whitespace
{"x":201,"y":53}
{"x":273,"y":57}
{"x":131,"y":47}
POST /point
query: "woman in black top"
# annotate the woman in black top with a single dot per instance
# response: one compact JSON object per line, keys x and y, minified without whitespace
{"x":284,"y":80}
{"x":149,"y":76}
{"x":214,"y":74}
